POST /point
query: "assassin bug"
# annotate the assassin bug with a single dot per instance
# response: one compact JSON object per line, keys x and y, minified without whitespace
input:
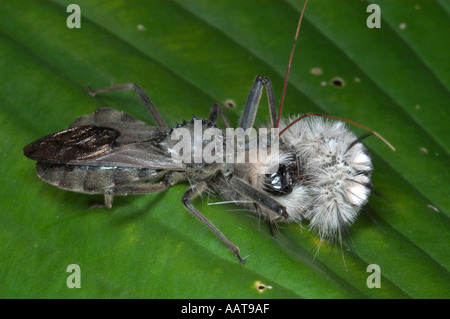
{"x":321,"y":172}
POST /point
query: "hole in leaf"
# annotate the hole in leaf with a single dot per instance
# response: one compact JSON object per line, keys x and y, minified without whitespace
{"x":337,"y":82}
{"x":230,"y":103}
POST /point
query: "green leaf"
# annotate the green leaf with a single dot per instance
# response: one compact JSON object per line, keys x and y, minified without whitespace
{"x":187,"y":55}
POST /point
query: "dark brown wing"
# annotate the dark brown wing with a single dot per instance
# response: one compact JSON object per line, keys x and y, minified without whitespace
{"x":107,"y":138}
{"x":77,"y":143}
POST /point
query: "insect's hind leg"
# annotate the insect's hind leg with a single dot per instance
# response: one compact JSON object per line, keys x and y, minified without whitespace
{"x":193,"y":192}
{"x":252,"y":103}
{"x":142,"y":95}
{"x":133,"y":189}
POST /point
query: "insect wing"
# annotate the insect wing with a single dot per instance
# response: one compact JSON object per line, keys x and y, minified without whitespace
{"x":76,"y":143}
{"x":138,"y":155}
{"x":109,"y":138}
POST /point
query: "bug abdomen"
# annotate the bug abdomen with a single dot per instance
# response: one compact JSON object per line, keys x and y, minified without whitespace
{"x":92,"y":179}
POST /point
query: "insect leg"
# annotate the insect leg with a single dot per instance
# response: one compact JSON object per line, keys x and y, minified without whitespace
{"x":214,"y":112}
{"x":251,"y":106}
{"x":271,"y":99}
{"x":142,"y":95}
{"x":133,"y":189}
{"x":259,"y":197}
{"x":109,"y":196}
{"x":190,"y":194}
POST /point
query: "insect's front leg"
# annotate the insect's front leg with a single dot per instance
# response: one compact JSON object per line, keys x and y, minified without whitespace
{"x":193,"y":192}
{"x":142,"y":95}
{"x":257,"y":196}
{"x":252,"y":103}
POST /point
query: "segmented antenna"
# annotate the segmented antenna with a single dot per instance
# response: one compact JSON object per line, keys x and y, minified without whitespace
{"x":289,"y":65}
{"x":338,"y":119}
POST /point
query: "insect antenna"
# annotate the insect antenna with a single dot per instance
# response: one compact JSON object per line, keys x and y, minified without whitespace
{"x":338,"y":119}
{"x":289,"y":65}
